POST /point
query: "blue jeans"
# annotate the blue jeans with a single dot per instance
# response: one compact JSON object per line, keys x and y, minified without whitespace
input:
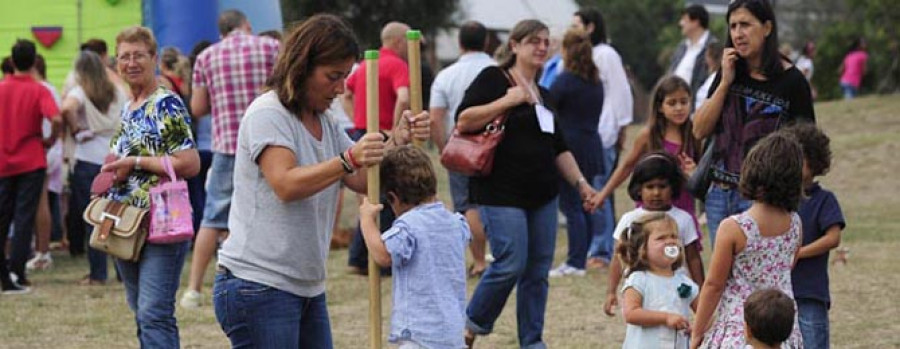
{"x":19,"y":198}
{"x":850,"y":92}
{"x":720,"y":204}
{"x":80,"y":196}
{"x":56,"y":231}
{"x":813,"y":317}
{"x":459,"y":191}
{"x":197,"y":188}
{"x":358,"y":253}
{"x":522,"y":242}
{"x":150,"y":286}
{"x":219,"y":187}
{"x":602,"y":242}
{"x":254,"y":315}
{"x":581,"y":226}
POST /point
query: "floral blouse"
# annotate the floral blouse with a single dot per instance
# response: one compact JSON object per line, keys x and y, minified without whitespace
{"x":159,"y":127}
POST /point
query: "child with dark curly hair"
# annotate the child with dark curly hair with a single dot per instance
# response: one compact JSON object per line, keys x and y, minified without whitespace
{"x":657,"y":300}
{"x":426,"y":250}
{"x":823,"y":222}
{"x":756,"y":249}
{"x":656,"y":181}
{"x":768,"y":319}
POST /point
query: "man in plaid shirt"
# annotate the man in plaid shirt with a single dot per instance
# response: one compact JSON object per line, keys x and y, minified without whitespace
{"x":227,"y":77}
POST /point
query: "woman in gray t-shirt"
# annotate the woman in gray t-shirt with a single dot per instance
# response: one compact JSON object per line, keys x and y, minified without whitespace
{"x":291,"y":160}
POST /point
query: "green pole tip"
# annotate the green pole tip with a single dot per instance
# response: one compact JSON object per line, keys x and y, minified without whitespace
{"x":413,"y":35}
{"x":371,"y":54}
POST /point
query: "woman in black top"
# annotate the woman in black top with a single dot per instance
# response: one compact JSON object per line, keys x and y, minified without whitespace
{"x":755,"y":92}
{"x":517,"y":201}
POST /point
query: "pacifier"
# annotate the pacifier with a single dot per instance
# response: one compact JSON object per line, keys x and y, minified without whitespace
{"x":671,"y":251}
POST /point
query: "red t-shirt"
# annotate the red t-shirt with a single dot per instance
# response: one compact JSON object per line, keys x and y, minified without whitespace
{"x":393,"y":73}
{"x":24,"y":102}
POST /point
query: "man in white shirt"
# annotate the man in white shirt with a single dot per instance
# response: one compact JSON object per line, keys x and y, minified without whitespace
{"x":688,"y":60}
{"x":447,"y":93}
{"x":618,"y":109}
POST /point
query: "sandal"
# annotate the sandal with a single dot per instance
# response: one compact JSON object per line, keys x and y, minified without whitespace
{"x":469,"y":338}
{"x":472,"y":274}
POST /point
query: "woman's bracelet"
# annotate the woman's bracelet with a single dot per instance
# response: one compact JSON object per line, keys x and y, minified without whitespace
{"x":137,"y":163}
{"x":345,"y":164}
{"x":579,"y":181}
{"x":352,"y":160}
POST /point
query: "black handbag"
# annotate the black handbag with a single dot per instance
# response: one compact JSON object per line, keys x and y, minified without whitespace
{"x":699,"y":182}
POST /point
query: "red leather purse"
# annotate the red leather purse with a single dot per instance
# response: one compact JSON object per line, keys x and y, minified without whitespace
{"x":472,"y":153}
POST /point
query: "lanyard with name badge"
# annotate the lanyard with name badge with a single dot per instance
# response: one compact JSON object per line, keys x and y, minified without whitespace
{"x":544,"y":115}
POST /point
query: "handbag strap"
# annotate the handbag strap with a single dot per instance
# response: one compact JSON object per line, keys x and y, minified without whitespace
{"x":500,"y":120}
{"x":167,"y":165}
{"x":112,"y":214}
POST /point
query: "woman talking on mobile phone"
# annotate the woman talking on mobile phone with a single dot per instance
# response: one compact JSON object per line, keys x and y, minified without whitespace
{"x":756,"y":91}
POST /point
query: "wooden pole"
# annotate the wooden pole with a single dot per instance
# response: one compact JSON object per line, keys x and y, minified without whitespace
{"x":374,"y":186}
{"x":414,"y":45}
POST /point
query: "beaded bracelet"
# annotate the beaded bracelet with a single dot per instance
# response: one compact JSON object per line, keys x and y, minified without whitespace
{"x":352,"y":160}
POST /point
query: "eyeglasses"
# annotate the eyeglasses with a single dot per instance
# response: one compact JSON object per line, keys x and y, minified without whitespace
{"x":137,"y":57}
{"x":537,"y":41}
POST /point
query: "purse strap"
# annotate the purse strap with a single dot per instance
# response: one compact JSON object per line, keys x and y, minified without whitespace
{"x":111,"y":216}
{"x":167,"y":165}
{"x":500,"y":120}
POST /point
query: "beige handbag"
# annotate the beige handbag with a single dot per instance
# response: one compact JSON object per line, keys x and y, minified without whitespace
{"x":119,"y":229}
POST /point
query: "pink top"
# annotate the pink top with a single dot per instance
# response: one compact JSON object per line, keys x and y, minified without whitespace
{"x":234,"y":71}
{"x":854,"y":68}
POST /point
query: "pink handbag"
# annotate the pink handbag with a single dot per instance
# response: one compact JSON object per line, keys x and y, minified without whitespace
{"x":171,"y":217}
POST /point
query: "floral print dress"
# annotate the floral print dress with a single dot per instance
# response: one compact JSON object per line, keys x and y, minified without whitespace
{"x":765,"y":262}
{"x":161,"y":126}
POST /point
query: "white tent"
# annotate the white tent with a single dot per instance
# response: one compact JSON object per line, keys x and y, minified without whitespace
{"x":502,"y":15}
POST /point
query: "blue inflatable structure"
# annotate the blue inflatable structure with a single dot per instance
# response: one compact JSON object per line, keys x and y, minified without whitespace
{"x":184,"y":23}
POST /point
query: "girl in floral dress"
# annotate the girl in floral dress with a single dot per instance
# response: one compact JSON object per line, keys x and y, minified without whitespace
{"x":755,"y":249}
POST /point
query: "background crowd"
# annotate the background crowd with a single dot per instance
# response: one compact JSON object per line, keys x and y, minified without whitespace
{"x":269,"y":132}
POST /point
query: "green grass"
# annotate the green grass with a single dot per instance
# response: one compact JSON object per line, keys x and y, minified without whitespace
{"x":864,"y":132}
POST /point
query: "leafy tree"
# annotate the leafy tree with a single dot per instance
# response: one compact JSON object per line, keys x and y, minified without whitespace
{"x":834,"y":24}
{"x":368,"y":16}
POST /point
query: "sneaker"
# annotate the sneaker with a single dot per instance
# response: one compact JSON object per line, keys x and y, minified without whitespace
{"x":566,"y":270}
{"x":15,"y":290}
{"x":41,"y":261}
{"x":19,"y":280}
{"x":191,"y":299}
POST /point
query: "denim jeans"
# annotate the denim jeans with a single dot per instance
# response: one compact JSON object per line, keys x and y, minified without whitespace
{"x":219,"y":188}
{"x":602,"y":242}
{"x":150,"y":286}
{"x":522,"y":242}
{"x":812,"y":315}
{"x":358,"y":253}
{"x":80,"y":183}
{"x":850,"y":91}
{"x":197,"y":188}
{"x":254,"y":315}
{"x":581,"y":226}
{"x":56,"y":231}
{"x":19,"y":198}
{"x":722,"y":203}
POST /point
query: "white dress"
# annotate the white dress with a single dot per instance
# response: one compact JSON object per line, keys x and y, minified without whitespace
{"x":660,"y":293}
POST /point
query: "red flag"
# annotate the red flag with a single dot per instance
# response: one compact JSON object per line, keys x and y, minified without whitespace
{"x":47,"y":36}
